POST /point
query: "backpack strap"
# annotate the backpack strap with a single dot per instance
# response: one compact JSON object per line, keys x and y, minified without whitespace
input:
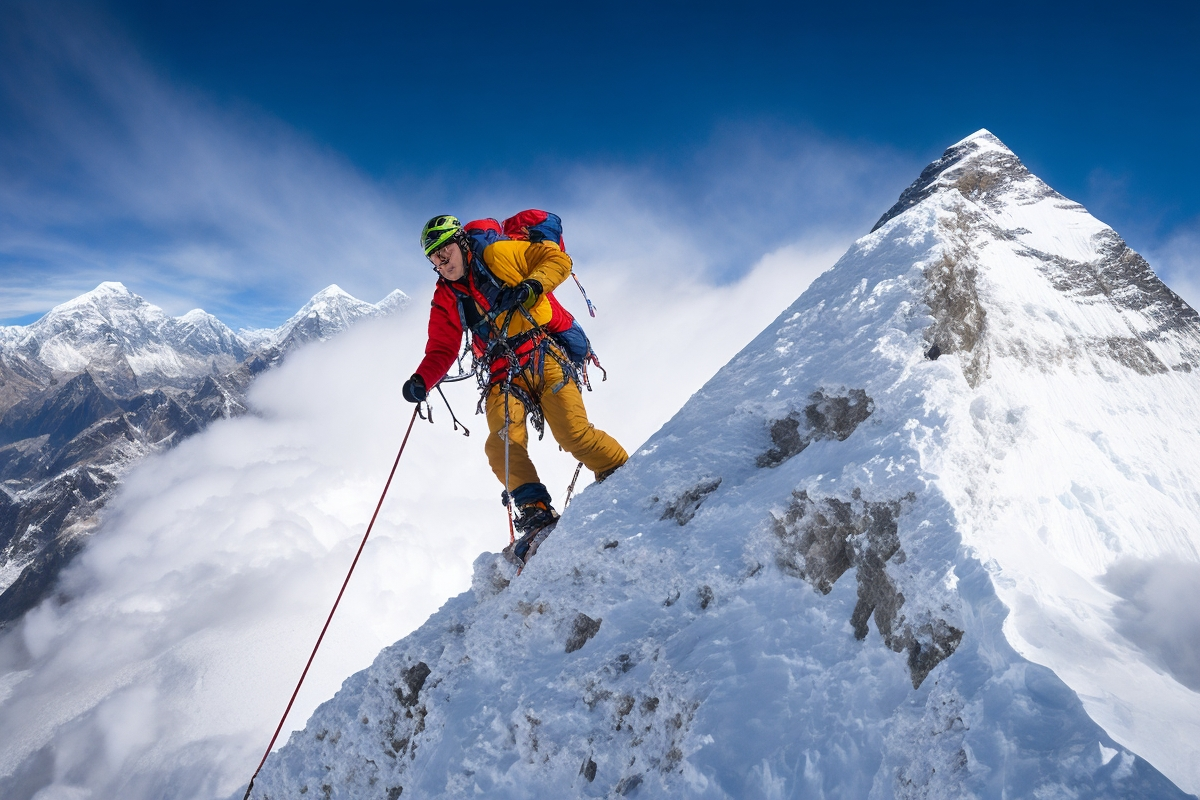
{"x":480,"y":234}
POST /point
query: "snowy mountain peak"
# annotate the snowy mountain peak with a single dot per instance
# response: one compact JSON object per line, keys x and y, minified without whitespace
{"x":983,"y":138}
{"x":395,"y":300}
{"x":875,"y":555}
{"x":330,"y":311}
{"x":333,"y":290}
{"x":197,"y":316}
{"x":111,"y":287}
{"x":980,"y":168}
{"x":107,"y":295}
{"x":332,"y":300}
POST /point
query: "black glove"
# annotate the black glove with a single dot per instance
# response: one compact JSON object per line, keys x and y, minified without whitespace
{"x":524,"y":294}
{"x":414,"y":389}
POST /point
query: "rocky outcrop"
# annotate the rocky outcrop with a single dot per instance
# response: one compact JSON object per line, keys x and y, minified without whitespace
{"x":822,"y":539}
{"x":826,"y":417}
{"x":984,"y":175}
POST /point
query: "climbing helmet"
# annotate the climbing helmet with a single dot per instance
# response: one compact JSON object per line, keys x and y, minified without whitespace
{"x":438,"y":231}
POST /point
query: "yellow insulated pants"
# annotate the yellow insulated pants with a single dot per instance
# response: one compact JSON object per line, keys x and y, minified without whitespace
{"x":564,"y":413}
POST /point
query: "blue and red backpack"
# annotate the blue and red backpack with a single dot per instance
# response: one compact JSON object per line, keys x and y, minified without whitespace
{"x":539,"y":226}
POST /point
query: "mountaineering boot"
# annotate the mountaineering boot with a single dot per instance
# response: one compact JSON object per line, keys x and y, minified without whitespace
{"x":601,"y":476}
{"x":535,"y":522}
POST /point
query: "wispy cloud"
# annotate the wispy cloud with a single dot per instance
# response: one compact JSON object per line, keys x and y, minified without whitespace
{"x":113,"y":172}
{"x":1177,"y":261}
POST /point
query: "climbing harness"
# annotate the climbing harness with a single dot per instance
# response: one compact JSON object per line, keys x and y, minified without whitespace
{"x":342,"y":591}
{"x":522,"y":355}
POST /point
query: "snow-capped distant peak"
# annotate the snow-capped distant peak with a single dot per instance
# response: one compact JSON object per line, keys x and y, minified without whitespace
{"x":105,"y":294}
{"x":115,"y":332}
{"x":109,"y":304}
{"x":395,"y":300}
{"x":108,"y":290}
{"x":328,"y":312}
{"x":330,"y":294}
{"x":197,"y":316}
{"x":332,"y":300}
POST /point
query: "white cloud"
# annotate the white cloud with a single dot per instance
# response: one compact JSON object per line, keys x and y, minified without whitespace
{"x":113,"y":172}
{"x":1177,"y":262}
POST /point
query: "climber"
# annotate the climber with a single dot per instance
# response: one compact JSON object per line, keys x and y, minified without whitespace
{"x":497,"y":290}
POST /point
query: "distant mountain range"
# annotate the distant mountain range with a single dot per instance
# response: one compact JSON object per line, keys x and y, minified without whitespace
{"x":103,"y":380}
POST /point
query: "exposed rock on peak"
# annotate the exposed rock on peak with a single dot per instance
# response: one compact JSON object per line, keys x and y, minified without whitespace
{"x":979,"y":167}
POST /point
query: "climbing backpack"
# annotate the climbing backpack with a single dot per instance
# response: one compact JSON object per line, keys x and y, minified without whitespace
{"x":542,"y":226}
{"x":538,"y":226}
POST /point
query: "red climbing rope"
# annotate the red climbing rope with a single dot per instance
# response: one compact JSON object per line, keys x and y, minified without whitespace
{"x":353,"y":564}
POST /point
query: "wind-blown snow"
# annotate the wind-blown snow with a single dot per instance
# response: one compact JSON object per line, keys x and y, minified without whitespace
{"x":882,"y":553}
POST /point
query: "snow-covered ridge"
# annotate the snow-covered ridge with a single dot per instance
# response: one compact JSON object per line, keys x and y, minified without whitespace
{"x":132,"y":342}
{"x":877,"y":555}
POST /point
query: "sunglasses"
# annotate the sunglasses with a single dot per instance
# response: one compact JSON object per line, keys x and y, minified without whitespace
{"x":441,"y":257}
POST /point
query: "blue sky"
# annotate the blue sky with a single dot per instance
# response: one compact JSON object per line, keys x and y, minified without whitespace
{"x":241,"y":156}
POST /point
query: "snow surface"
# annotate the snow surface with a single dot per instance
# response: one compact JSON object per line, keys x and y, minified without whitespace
{"x":690,"y":628}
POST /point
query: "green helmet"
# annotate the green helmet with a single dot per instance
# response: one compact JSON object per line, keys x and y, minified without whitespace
{"x":439,"y":230}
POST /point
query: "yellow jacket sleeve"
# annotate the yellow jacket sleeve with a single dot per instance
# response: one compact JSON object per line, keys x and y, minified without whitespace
{"x":548,"y":265}
{"x":513,"y":261}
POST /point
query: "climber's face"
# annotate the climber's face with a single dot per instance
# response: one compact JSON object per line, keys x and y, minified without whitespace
{"x":448,"y":261}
